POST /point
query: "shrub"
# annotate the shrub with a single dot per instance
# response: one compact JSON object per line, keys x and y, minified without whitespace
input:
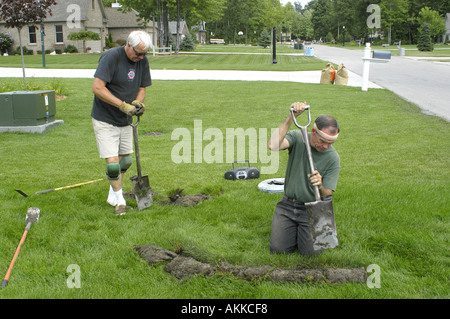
{"x":5,"y":41}
{"x":26,"y":51}
{"x":329,"y":38}
{"x":109,"y":43}
{"x":71,"y":49}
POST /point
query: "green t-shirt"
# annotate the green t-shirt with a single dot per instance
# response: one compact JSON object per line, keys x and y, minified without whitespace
{"x":297,"y":184}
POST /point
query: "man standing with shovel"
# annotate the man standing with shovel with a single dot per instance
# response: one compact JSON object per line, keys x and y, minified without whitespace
{"x":291,"y":224}
{"x":120,"y":82}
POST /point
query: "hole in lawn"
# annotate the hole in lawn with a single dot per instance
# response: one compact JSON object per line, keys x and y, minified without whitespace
{"x":153,"y":133}
{"x":177,"y":198}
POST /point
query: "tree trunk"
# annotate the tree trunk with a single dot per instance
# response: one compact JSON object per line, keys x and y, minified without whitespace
{"x":166,"y":24}
{"x":177,"y":43}
{"x":160,"y":26}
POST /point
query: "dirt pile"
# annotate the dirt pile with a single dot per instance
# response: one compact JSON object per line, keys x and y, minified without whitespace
{"x":177,"y":198}
{"x":183,"y":266}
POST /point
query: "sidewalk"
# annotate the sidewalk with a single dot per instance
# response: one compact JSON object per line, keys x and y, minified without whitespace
{"x":278,"y":76}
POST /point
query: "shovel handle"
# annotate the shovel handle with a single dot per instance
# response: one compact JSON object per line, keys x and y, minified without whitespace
{"x":16,"y":254}
{"x":67,"y":187}
{"x":136,"y":149}
{"x":307,"y":107}
{"x":137,"y":122}
{"x":304,"y":131}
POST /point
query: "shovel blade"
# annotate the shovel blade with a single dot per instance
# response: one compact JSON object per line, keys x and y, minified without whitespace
{"x":322,"y":225}
{"x":142,"y":192}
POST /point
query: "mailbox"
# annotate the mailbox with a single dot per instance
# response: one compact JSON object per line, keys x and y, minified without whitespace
{"x":386,"y":55}
{"x":27,"y":108}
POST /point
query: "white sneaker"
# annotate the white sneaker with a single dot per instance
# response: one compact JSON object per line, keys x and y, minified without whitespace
{"x":112,"y":200}
{"x":120,"y":200}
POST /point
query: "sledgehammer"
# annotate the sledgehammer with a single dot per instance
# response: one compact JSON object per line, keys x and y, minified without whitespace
{"x":32,"y":217}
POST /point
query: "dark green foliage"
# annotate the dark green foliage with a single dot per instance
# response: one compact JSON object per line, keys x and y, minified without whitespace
{"x":424,"y":42}
{"x":71,"y":49}
{"x":187,"y":44}
{"x":264,"y":39}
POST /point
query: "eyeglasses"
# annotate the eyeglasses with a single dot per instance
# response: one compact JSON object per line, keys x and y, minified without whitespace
{"x":139,"y":53}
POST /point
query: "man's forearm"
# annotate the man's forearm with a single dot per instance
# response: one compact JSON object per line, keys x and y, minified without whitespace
{"x":104,"y":94}
{"x":325,"y":191}
{"x":280,"y":133}
{"x":141,"y":95}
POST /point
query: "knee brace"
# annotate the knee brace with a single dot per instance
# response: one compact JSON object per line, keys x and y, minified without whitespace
{"x":125,"y":163}
{"x":113,"y":171}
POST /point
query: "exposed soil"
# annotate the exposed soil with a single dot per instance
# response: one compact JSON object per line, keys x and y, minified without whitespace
{"x":185,"y":266}
{"x":153,"y":133}
{"x":177,"y":198}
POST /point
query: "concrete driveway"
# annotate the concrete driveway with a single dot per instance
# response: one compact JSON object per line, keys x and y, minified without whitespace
{"x":422,"y":82}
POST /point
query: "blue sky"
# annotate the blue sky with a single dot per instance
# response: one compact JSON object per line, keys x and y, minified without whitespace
{"x":303,"y":2}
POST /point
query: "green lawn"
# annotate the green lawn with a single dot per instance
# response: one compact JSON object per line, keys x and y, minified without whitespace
{"x":440,"y":50}
{"x":243,"y":58}
{"x":391,"y":204}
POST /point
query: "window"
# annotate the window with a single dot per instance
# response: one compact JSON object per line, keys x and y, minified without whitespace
{"x":32,"y":34}
{"x":93,"y":4}
{"x":59,"y":34}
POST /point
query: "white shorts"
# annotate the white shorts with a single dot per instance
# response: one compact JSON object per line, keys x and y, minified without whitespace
{"x":113,"y":141}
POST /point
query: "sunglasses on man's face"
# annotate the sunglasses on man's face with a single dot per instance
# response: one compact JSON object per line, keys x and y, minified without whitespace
{"x":139,"y":53}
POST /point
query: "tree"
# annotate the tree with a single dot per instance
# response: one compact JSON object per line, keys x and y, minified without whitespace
{"x":302,"y":26}
{"x":424,"y":42}
{"x":187,"y":44}
{"x":321,"y":18}
{"x":435,"y":21}
{"x":83,"y":36}
{"x":19,"y":13}
{"x":264,"y":39}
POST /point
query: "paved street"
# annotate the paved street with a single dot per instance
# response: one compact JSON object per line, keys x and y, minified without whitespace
{"x":422,"y":82}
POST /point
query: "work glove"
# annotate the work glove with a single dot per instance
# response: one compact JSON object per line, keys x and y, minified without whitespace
{"x":128,"y":109}
{"x":140,"y":107}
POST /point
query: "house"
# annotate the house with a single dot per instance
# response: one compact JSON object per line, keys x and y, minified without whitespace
{"x":74,"y":16}
{"x":120,"y":24}
{"x":201,"y":32}
{"x":183,"y":29}
{"x":447,"y":26}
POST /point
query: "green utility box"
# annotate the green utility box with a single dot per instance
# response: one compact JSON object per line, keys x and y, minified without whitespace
{"x":27,"y":108}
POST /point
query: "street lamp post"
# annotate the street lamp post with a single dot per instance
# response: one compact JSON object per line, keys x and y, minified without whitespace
{"x":274,"y":46}
{"x":38,"y":2}
{"x":343,"y":38}
{"x":42,"y":43}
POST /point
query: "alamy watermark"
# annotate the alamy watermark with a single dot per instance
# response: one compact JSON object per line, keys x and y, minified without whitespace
{"x":208,"y":146}
{"x":74,"y":279}
{"x":374,"y":20}
{"x":374,"y":279}
{"x":73,"y":20}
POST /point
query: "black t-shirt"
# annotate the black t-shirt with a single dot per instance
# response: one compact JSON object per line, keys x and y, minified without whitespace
{"x":123,"y":79}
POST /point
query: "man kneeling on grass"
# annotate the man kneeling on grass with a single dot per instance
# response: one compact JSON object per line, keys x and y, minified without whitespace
{"x":290,"y":226}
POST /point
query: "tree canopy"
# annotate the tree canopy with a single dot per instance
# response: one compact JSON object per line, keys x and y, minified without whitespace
{"x":242,"y":21}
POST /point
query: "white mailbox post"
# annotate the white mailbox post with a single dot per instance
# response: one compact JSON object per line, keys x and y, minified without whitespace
{"x":377,"y":57}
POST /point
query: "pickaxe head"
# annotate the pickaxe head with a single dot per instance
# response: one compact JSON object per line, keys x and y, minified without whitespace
{"x":32,"y":215}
